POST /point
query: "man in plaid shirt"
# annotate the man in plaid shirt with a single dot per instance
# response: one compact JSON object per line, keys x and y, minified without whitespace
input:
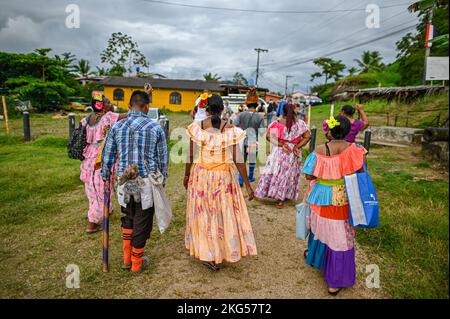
{"x":139,"y":142}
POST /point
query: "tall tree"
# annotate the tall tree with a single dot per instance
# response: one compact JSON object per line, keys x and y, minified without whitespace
{"x":330,"y":69}
{"x":211,"y":77}
{"x":239,"y":79}
{"x":82,"y":68}
{"x":370,"y":61}
{"x":123,"y":52}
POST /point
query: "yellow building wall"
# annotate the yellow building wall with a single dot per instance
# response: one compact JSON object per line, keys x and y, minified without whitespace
{"x":160,"y":99}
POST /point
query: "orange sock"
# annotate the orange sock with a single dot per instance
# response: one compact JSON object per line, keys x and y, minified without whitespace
{"x":126,"y":236}
{"x":136,"y":258}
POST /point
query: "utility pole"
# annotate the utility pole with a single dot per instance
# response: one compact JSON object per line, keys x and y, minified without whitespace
{"x":258,"y":50}
{"x":286,"y":84}
{"x":428,"y":45}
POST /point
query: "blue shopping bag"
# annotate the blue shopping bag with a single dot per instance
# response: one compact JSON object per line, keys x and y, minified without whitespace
{"x":302,"y":220}
{"x":362,"y":199}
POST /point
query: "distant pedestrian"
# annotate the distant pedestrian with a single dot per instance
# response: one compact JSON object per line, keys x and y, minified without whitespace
{"x":282,"y":172}
{"x":357,"y":126}
{"x":253,"y":123}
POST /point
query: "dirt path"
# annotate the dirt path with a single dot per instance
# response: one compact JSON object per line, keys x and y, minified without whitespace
{"x":279,"y":270}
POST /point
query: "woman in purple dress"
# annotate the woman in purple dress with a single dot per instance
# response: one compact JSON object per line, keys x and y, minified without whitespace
{"x":357,"y":126}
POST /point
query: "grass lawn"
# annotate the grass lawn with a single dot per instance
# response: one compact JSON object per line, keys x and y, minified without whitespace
{"x":42,"y":195}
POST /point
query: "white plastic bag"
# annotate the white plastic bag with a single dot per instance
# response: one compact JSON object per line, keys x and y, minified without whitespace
{"x":163,"y":211}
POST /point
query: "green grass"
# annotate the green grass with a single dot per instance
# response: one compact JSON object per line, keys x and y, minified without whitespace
{"x":43,"y":209}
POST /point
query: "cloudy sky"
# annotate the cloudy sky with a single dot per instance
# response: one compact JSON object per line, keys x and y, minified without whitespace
{"x":186,"y":42}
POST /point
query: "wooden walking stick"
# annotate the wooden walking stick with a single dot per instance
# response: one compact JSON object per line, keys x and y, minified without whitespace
{"x":106,"y":203}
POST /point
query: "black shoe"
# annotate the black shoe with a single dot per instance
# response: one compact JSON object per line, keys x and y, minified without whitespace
{"x":334,"y":293}
{"x":210,"y":266}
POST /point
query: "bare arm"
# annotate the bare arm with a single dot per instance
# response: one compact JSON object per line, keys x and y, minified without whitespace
{"x":363,"y":115}
{"x":238,"y":160}
{"x":190,"y":159}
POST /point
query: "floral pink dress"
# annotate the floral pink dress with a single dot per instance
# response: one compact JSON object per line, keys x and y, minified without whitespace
{"x":281,"y":175}
{"x":93,"y":182}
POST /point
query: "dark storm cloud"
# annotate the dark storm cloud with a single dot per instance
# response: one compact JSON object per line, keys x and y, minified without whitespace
{"x":185,"y":42}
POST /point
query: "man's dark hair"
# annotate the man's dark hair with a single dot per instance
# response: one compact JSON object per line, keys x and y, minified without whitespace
{"x":139,"y":99}
{"x":348,"y":110}
{"x":339,"y":132}
{"x":252,"y":105}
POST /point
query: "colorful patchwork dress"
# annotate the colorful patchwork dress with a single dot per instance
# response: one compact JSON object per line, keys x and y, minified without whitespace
{"x":281,"y":175}
{"x":92,"y":179}
{"x":331,"y":241}
{"x":218,"y":227}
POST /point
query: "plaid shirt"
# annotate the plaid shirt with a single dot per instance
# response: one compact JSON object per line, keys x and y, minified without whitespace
{"x":136,"y":139}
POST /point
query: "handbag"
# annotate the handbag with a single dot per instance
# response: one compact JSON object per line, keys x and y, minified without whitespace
{"x":362,"y":199}
{"x":78,"y":142}
{"x":302,"y":221}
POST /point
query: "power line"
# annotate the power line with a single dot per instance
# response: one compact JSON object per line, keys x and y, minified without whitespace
{"x":320,"y":47}
{"x":349,"y":48}
{"x":178,"y":4}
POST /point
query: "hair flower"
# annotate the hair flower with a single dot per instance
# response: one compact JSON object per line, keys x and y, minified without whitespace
{"x":332,"y":123}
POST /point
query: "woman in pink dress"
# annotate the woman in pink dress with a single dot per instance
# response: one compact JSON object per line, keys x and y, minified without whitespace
{"x":97,"y":125}
{"x":357,"y":126}
{"x":280,"y":178}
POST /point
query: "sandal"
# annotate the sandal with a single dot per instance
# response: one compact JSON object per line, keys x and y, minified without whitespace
{"x":210,"y":266}
{"x":279,"y":205}
{"x":95,"y":229}
{"x":334,"y":293}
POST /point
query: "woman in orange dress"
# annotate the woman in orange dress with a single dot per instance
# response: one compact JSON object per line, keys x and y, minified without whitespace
{"x":218,"y":227}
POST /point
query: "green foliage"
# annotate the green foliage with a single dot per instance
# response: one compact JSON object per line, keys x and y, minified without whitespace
{"x":411,"y":50}
{"x":41,"y":93}
{"x":324,"y":91}
{"x":330,"y":69}
{"x":117,"y":70}
{"x":123,"y":51}
{"x":82,"y":68}
{"x":211,"y":77}
{"x":370,"y":61}
{"x":388,"y":77}
{"x":239,"y":79}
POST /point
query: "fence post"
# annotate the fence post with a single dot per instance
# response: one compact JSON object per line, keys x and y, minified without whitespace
{"x":395,"y":119}
{"x":71,"y":124}
{"x":407,"y":119}
{"x":367,"y":137}
{"x":5,"y":111}
{"x":312,"y":141}
{"x":387,"y":116}
{"x":26,"y":126}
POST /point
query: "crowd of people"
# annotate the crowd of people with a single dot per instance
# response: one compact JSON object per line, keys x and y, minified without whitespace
{"x":131,"y":148}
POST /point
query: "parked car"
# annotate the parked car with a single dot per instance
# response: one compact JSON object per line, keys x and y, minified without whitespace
{"x":77,"y":106}
{"x":315,"y":100}
{"x":156,"y":114}
{"x":234,"y":100}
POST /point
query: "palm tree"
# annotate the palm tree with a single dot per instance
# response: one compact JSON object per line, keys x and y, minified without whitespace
{"x":352,"y":71}
{"x":82,"y":68}
{"x":101,"y":71}
{"x":370,"y":61}
{"x":210,"y":77}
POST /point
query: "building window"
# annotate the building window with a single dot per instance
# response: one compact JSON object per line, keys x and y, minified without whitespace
{"x":118,"y":95}
{"x":175,"y":98}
